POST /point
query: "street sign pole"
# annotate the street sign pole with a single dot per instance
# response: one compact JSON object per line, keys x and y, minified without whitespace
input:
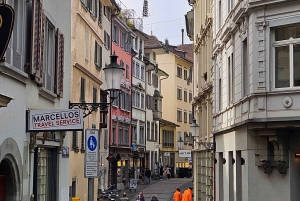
{"x":91,"y":159}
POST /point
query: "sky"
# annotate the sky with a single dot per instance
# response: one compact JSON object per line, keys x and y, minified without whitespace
{"x":166,"y":18}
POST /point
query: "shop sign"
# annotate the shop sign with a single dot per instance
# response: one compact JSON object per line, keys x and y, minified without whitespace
{"x":185,"y":153}
{"x":6,"y":26}
{"x":54,"y":120}
{"x":91,"y":153}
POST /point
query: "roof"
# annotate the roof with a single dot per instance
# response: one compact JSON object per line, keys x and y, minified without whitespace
{"x":152,"y":42}
{"x":141,"y":33}
{"x":167,"y":123}
{"x":188,"y":48}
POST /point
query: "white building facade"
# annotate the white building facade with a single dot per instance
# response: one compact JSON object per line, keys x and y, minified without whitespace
{"x":34,"y":75}
{"x":256,"y":94}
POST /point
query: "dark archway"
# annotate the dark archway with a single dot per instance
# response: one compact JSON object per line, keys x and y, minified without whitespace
{"x":8,"y":179}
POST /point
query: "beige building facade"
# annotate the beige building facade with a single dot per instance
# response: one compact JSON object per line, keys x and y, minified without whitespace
{"x":199,"y":26}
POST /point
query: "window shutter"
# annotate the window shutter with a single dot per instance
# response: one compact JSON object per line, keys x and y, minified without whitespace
{"x":100,"y":56}
{"x":95,"y":57}
{"x":96,"y":8}
{"x":37,"y":40}
{"x":59,"y":81}
{"x":100,"y":13}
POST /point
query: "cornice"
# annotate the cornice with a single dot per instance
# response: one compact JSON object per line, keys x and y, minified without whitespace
{"x":88,"y":73}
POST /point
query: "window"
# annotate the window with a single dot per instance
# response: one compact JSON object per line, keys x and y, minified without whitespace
{"x":123,"y":44}
{"x":115,"y":34}
{"x":185,"y":74}
{"x":149,"y":77}
{"x":179,"y":71}
{"x":75,"y":141}
{"x":116,"y":101}
{"x":100,"y":12}
{"x":154,"y":56}
{"x":94,"y":10}
{"x":190,"y":118}
{"x":87,"y":44}
{"x":245,"y":68}
{"x":98,"y":56}
{"x":121,"y":99}
{"x":13,"y":54}
{"x":190,"y":96}
{"x":220,"y":14}
{"x":185,"y":95}
{"x":120,"y":134}
{"x":114,"y":132}
{"x":185,"y":116}
{"x":155,"y":80}
{"x":231,"y":78}
{"x":147,"y":55}
{"x":148,"y":130}
{"x":287,"y":56}
{"x":167,"y":138}
{"x":106,"y":12}
{"x":179,"y":115}
{"x":220,"y":94}
{"x":94,"y":95}
{"x":134,"y":132}
{"x":133,"y":98}
{"x":152,"y":130}
{"x":155,"y":131}
{"x":186,"y":137}
{"x":133,"y":68}
{"x":142,"y":101}
{"x":137,"y":70}
{"x":142,"y":135}
{"x":179,"y":93}
{"x":149,"y":102}
{"x":106,"y":40}
{"x":137,"y":99}
{"x":45,"y":169}
{"x":126,"y":136}
{"x":142,"y":72}
{"x":136,"y":43}
{"x":82,"y":90}
{"x":49,"y":57}
{"x":127,"y":71}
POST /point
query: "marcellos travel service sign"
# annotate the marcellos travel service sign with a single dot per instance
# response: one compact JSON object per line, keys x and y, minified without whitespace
{"x":6,"y":26}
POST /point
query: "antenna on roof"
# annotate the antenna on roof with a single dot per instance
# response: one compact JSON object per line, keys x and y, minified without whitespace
{"x":145,"y":9}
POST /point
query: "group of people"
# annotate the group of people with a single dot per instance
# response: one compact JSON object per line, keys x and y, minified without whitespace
{"x":162,"y":171}
{"x":177,"y":196}
{"x":186,"y":196}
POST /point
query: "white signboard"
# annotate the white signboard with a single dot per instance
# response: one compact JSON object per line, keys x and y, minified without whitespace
{"x":54,"y":120}
{"x":91,"y":153}
{"x":185,"y":153}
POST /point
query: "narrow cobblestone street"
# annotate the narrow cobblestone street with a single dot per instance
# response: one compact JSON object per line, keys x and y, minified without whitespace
{"x":164,"y":189}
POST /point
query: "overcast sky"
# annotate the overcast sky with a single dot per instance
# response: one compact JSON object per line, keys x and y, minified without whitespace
{"x":166,"y":18}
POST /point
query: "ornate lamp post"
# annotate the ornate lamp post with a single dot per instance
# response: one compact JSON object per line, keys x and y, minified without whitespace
{"x":113,"y":75}
{"x":180,"y":143}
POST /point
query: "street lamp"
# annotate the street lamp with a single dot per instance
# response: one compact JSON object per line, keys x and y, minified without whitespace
{"x":113,"y":75}
{"x":180,"y":143}
{"x":195,"y":133}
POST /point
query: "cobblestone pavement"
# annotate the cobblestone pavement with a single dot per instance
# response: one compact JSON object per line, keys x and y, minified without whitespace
{"x":164,"y":189}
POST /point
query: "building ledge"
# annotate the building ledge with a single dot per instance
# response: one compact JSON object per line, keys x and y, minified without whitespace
{"x":4,"y":100}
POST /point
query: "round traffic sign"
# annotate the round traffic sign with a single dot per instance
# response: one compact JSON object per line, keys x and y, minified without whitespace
{"x":92,"y":143}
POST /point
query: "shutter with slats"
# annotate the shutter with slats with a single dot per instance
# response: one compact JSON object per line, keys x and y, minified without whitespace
{"x":59,"y":68}
{"x":37,"y":41}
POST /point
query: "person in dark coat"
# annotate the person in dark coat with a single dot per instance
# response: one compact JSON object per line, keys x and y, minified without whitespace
{"x":161,"y":172}
{"x":154,"y":198}
{"x":148,"y":175}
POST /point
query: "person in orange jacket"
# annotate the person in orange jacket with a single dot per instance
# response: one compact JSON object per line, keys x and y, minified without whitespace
{"x":177,"y":195}
{"x":188,"y":194}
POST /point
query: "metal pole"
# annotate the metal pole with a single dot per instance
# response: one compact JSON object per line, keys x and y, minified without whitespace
{"x":90,"y":189}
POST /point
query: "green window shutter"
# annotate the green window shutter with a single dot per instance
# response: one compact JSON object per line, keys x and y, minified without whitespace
{"x":82,"y":90}
{"x":100,"y":56}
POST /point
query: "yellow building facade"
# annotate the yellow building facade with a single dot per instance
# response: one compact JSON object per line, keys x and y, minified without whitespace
{"x":176,"y":105}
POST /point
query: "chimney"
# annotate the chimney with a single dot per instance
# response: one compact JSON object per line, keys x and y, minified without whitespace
{"x":182,"y":31}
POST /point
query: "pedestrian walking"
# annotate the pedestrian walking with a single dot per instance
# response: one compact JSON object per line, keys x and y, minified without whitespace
{"x":168,"y":172}
{"x":148,"y":175}
{"x":177,"y":195}
{"x":154,"y":198}
{"x":188,"y":194}
{"x":161,"y":172}
{"x":124,"y":198}
{"x":140,"y":197}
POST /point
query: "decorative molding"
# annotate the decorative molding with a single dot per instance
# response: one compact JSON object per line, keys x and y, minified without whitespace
{"x":88,"y":73}
{"x":266,"y":165}
{"x":281,"y":166}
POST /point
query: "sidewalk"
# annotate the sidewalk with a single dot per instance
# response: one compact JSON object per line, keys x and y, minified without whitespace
{"x":164,"y":189}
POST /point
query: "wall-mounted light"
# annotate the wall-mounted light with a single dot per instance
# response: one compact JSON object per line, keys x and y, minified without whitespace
{"x":242,"y":161}
{"x":297,"y":155}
